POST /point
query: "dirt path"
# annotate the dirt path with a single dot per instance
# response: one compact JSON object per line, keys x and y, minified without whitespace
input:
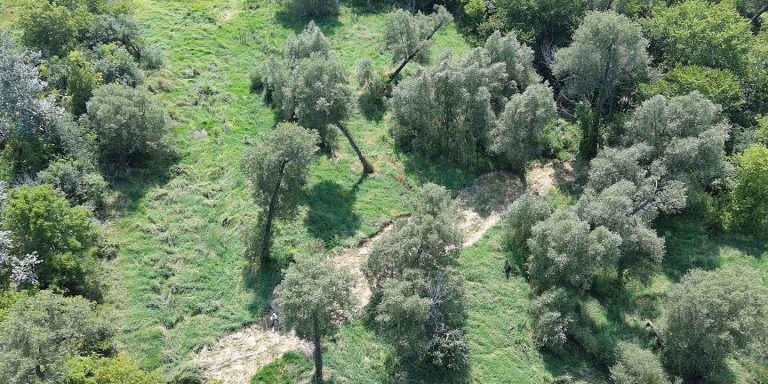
{"x":235,"y":358}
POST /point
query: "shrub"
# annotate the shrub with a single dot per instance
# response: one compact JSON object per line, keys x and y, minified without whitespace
{"x":552,"y":314}
{"x":120,"y":369}
{"x":41,"y":332}
{"x":749,"y":198}
{"x":54,"y":29}
{"x":116,"y":65}
{"x":129,"y":125}
{"x":41,"y":221}
{"x":637,"y":366}
{"x":81,"y":183}
{"x":152,"y":57}
{"x":719,"y":86}
{"x":81,"y":81}
{"x":711,"y":315}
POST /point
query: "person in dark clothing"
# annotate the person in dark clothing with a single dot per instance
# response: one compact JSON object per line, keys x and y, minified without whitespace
{"x":507,"y":268}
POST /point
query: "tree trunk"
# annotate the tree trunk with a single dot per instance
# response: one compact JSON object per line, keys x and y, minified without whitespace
{"x":265,"y":246}
{"x":756,"y":18}
{"x":318,"y":353}
{"x":408,"y":59}
{"x":367,"y":167}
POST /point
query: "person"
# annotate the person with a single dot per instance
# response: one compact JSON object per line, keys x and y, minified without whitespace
{"x":273,"y":320}
{"x":507,"y":268}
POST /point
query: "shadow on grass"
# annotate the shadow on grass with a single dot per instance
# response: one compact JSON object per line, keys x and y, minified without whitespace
{"x":688,"y":245}
{"x":438,"y":171}
{"x":328,"y":24}
{"x":371,"y":108}
{"x":261,"y":281}
{"x":331,"y":217}
{"x":133,"y":184}
{"x":367,"y":7}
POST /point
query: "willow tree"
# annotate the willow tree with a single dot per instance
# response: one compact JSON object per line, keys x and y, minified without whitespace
{"x":309,"y":85}
{"x":409,"y":36}
{"x":315,"y":297}
{"x":608,"y":51}
{"x":277,"y":168}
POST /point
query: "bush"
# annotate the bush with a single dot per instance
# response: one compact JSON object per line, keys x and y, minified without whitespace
{"x":41,"y":332}
{"x":116,"y":65}
{"x":81,"y":81}
{"x":79,"y":180}
{"x":552,"y":314}
{"x":710,"y":316}
{"x":637,"y":366}
{"x":152,"y":57}
{"x":120,"y":369}
{"x":129,"y":125}
{"x":749,"y":198}
{"x":312,"y":8}
{"x":449,"y":351}
{"x":41,"y":220}
{"x":54,"y":29}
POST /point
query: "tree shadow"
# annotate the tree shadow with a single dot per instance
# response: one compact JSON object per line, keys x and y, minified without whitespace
{"x":328,"y":24}
{"x":371,"y":108}
{"x":438,"y":171}
{"x":133,"y":184}
{"x":331,"y":217}
{"x":570,"y":365}
{"x":688,"y":245}
{"x":261,"y":281}
{"x":368,"y":7}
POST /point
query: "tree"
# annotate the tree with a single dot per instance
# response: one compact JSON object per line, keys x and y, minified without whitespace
{"x":517,"y":135}
{"x":523,"y":214}
{"x":120,"y":369}
{"x":116,"y":65}
{"x":41,"y":332}
{"x":41,"y":222}
{"x":81,"y":81}
{"x":637,"y":366}
{"x":701,"y":33}
{"x":447,"y":110}
{"x":19,"y":270}
{"x":277,"y":168}
{"x":608,"y":51}
{"x":81,"y":183}
{"x":129,"y":125}
{"x":564,"y":252}
{"x":312,"y":8}
{"x":312,"y":89}
{"x":717,"y":85}
{"x":710,"y":315}
{"x":29,"y":123}
{"x":517,"y":58}
{"x":749,"y":198}
{"x":428,"y":240}
{"x":543,"y":23}
{"x":54,"y":29}
{"x":690,"y":145}
{"x":553,"y":313}
{"x":315,"y":298}
{"x":409,"y":36}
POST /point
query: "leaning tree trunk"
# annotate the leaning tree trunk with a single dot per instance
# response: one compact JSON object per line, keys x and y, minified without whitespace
{"x":408,"y":59}
{"x":318,"y":353}
{"x":756,"y":18}
{"x":367,"y":167}
{"x":265,"y":245}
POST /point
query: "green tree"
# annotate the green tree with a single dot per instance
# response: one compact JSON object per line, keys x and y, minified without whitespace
{"x":636,"y":365}
{"x":128,"y":123}
{"x":41,"y":332}
{"x":428,"y":240}
{"x":690,"y":145}
{"x":608,"y":53}
{"x":315,"y":298}
{"x":81,"y":183}
{"x":409,"y":36}
{"x":116,"y":65}
{"x":709,"y":316}
{"x":517,"y":136}
{"x":719,"y":86}
{"x":564,"y":252}
{"x":312,"y":88}
{"x":81,"y":81}
{"x":749,"y":198}
{"x":121,"y":369}
{"x":312,"y":8}
{"x":698,"y":32}
{"x":553,"y":314}
{"x":42,"y":222}
{"x":277,"y":168}
{"x":52,"y":28}
{"x":517,"y":58}
{"x":523,"y":214}
{"x":447,"y":110}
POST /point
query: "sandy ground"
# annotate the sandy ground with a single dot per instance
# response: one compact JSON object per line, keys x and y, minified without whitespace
{"x":235,"y":358}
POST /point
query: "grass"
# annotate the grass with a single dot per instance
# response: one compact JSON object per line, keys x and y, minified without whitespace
{"x":181,"y":280}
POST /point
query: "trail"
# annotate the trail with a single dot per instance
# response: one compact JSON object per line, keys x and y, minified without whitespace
{"x":235,"y":358}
